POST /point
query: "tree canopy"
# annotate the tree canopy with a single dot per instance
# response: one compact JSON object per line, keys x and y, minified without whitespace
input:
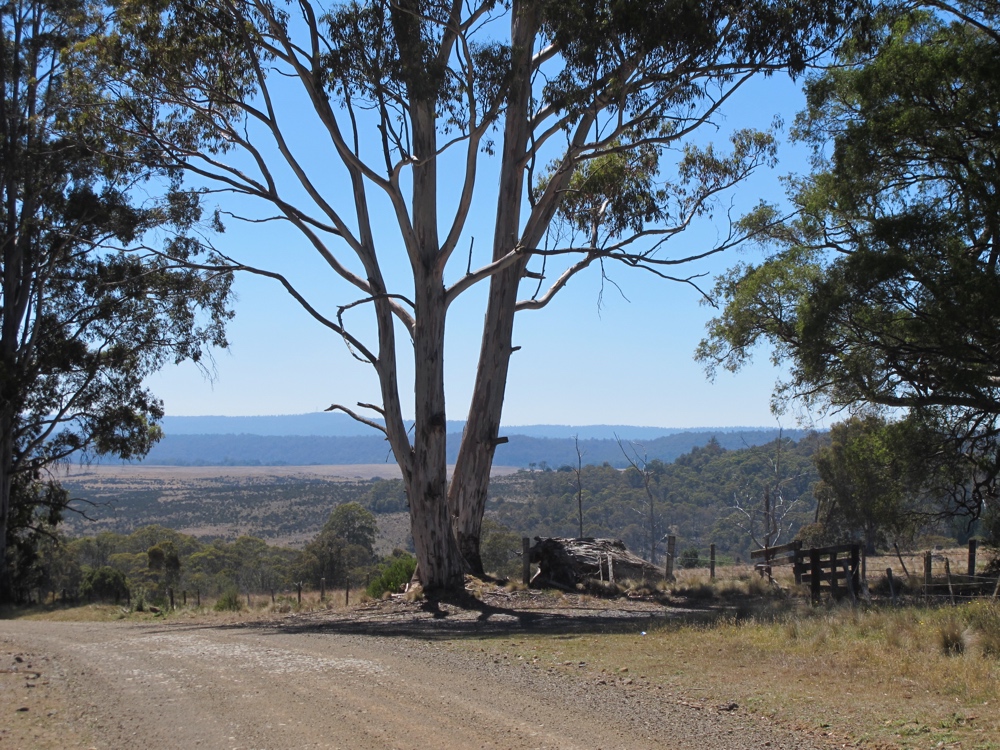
{"x":881,"y":290}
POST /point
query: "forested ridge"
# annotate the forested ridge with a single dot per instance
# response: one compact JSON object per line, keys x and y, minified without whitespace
{"x":693,"y":496}
{"x":520,"y":450}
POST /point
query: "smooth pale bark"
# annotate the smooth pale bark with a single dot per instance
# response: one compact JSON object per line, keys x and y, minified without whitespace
{"x":440,"y":565}
{"x":475,"y":457}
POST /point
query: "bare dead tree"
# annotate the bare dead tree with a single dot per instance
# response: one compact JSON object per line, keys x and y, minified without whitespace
{"x":649,"y":472}
{"x":579,"y":481}
{"x":762,"y":506}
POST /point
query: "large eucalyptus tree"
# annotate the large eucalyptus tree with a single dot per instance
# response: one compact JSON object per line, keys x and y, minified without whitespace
{"x":581,"y":112}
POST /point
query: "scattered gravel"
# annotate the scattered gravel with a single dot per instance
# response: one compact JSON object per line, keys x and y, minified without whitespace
{"x":381,"y":676}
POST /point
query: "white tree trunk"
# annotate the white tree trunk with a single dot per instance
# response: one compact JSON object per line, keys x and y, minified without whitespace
{"x":439,"y":562}
{"x":475,"y":457}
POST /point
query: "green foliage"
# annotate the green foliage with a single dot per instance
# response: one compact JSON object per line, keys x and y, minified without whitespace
{"x":864,"y":490}
{"x":385,"y":496}
{"x":689,"y":558}
{"x":393,"y":574}
{"x":105,"y":584}
{"x":229,"y":601}
{"x":87,"y":311}
{"x":342,"y":549}
{"x":354,"y":524}
{"x":164,"y":560}
{"x":881,"y":290}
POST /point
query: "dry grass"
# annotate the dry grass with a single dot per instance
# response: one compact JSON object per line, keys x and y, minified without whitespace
{"x":882,"y":677}
{"x":260,"y":604}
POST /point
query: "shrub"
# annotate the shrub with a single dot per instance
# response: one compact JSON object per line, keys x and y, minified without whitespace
{"x":690,"y":558}
{"x":230,"y":601}
{"x":393,"y":574}
{"x":104,"y":583}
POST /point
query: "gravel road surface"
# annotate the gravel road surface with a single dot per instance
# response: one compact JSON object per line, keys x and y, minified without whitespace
{"x":321,"y":683}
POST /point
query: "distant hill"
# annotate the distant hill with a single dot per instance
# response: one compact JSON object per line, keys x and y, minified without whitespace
{"x":521,"y":450}
{"x":336,"y":424}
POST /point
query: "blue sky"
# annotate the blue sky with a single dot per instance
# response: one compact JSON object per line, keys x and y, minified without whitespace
{"x":628,"y":361}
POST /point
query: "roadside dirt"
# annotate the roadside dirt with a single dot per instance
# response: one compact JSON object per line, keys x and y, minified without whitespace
{"x":386,"y":675}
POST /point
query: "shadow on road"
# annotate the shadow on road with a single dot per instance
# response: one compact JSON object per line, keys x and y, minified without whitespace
{"x":473,"y":618}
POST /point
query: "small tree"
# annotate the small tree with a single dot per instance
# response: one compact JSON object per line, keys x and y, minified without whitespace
{"x":863,"y":490}
{"x":345,"y":544}
{"x":104,"y":583}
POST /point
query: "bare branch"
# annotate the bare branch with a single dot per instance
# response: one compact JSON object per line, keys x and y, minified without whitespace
{"x":357,"y":417}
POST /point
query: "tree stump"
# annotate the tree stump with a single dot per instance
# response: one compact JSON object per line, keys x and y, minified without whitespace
{"x":564,"y":563}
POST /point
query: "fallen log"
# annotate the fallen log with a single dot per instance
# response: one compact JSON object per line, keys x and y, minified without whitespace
{"x":564,"y":563}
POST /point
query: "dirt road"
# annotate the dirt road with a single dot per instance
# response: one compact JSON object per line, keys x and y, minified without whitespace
{"x":283,"y":686}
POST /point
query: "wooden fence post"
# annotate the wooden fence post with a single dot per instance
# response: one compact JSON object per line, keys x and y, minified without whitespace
{"x":928,"y":562}
{"x":322,"y":589}
{"x":797,"y":566}
{"x":834,"y":575}
{"x":856,"y":571}
{"x":668,"y":571}
{"x":347,"y":595}
{"x":184,"y":597}
{"x":814,"y":575}
{"x":892,"y":589}
{"x":525,"y":560}
{"x":849,"y":582}
{"x":973,"y":546}
{"x":947,"y":573}
{"x":298,"y":591}
{"x":170,"y":595}
{"x":711,"y":561}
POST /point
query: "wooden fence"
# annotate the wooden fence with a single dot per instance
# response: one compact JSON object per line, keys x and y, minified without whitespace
{"x":836,"y":569}
{"x":840,"y":570}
